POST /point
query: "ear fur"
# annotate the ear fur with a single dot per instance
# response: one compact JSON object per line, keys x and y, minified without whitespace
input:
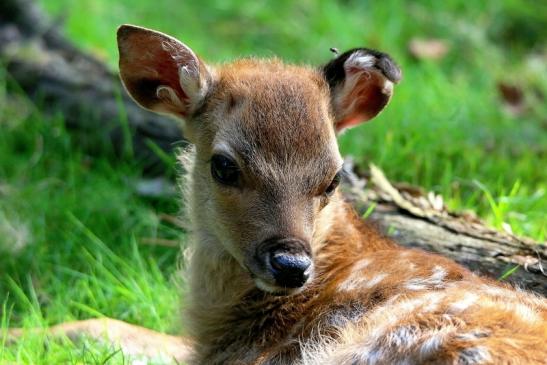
{"x":361,"y":83}
{"x":161,"y":73}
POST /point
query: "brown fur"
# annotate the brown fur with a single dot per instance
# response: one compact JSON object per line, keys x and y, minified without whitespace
{"x":278,"y":120}
{"x":368,"y":301}
{"x":257,"y":328}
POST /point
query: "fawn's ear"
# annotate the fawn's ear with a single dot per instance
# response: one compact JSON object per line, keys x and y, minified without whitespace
{"x":161,"y":73}
{"x":361,"y":83}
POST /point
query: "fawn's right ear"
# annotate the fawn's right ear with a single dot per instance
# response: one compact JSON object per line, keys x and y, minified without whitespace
{"x":361,"y":84}
{"x":161,"y":73}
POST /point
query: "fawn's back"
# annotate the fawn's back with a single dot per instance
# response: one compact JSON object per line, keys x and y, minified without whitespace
{"x":282,"y":271}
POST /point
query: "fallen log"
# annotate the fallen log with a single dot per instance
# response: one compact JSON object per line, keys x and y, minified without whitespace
{"x":60,"y":78}
{"x":63,"y":79}
{"x":419,"y":219}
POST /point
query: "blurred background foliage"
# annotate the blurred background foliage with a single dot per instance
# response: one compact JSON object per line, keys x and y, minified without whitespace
{"x":454,"y":124}
{"x":469,"y":121}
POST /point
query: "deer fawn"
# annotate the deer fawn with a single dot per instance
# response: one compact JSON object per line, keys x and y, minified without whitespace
{"x":281,"y":269}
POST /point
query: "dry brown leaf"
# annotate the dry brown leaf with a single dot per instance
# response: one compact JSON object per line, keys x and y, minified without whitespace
{"x":430,"y":49}
{"x":512,"y":97}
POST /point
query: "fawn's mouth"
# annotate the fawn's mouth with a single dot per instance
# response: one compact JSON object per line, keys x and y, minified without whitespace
{"x":275,"y":289}
{"x":267,"y":284}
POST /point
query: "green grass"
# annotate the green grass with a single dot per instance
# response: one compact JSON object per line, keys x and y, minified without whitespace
{"x":445,"y":128}
{"x":71,"y":240}
{"x":72,"y":230}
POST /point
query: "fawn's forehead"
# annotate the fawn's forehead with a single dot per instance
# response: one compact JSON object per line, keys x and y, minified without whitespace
{"x":279,"y":112}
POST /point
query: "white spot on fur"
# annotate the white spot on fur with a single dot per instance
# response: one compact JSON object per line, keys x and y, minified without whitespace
{"x":343,"y":316}
{"x":432,"y":305}
{"x":526,"y":313}
{"x":355,"y":278}
{"x":431,"y":345}
{"x":523,"y":306}
{"x":433,"y":342}
{"x":496,"y":291}
{"x":375,"y":280}
{"x":397,"y":310}
{"x":357,"y":346}
{"x":439,"y":273}
{"x":461,"y":305}
{"x":434,"y":281}
{"x":360,"y":265}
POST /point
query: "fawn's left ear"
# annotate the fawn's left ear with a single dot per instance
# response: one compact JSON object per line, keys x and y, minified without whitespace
{"x":361,"y":83}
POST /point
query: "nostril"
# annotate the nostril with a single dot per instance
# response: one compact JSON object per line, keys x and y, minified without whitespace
{"x":290,"y":270}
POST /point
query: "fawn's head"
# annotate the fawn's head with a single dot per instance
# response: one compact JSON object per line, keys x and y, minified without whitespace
{"x":267,"y":161}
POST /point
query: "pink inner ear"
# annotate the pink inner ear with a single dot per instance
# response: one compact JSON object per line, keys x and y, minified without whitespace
{"x":168,"y":72}
{"x":147,"y":61}
{"x":364,"y":101}
{"x":348,"y":123}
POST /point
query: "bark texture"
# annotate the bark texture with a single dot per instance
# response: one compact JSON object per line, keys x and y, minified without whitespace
{"x":419,"y":219}
{"x":62,"y":78}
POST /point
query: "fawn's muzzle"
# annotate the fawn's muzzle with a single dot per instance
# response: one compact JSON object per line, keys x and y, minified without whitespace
{"x":287,"y":261}
{"x":290,"y":271}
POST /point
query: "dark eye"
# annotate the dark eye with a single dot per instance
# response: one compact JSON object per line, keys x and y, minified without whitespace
{"x":224,"y":170}
{"x":333,"y":185}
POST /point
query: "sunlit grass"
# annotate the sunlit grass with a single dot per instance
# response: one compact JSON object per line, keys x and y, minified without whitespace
{"x":445,"y":128}
{"x":70,"y":241}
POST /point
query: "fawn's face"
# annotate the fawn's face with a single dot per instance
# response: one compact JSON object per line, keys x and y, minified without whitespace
{"x":267,"y":162}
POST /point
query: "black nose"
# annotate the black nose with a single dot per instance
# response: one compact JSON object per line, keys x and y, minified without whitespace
{"x":290,"y":270}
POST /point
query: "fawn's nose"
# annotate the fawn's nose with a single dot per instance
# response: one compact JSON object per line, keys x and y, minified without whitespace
{"x":283,"y":262}
{"x":290,"y":270}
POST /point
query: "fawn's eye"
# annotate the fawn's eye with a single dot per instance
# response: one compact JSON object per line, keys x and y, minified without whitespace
{"x":224,"y":170}
{"x":333,"y":185}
